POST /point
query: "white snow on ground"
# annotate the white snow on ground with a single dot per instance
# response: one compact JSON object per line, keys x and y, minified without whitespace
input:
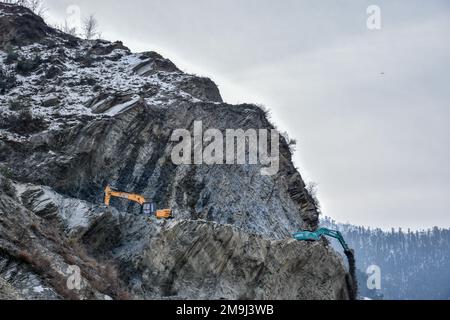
{"x":95,"y":106}
{"x":82,"y":79}
{"x":38,"y":289}
{"x":76,"y":213}
{"x":73,"y":213}
{"x":145,"y":68}
{"x":122,"y":107}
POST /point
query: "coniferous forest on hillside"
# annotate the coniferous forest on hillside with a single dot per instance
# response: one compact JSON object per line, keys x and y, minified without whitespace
{"x":414,"y":264}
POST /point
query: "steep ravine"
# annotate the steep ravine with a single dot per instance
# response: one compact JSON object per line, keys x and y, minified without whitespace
{"x":77,"y":115}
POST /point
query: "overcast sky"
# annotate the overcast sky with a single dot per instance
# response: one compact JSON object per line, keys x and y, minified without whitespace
{"x":370,"y":109}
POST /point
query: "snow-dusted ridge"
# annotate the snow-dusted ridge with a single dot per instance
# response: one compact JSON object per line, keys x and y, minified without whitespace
{"x":69,"y":76}
{"x":79,"y":115}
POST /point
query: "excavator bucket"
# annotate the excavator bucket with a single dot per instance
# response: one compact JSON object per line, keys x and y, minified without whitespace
{"x":164,"y":214}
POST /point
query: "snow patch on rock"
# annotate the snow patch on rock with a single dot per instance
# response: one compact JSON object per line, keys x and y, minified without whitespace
{"x":74,"y":213}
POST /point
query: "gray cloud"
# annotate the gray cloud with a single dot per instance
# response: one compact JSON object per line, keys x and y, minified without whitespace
{"x":377,"y":144}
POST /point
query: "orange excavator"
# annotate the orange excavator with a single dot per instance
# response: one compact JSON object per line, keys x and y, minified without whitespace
{"x":148,"y":208}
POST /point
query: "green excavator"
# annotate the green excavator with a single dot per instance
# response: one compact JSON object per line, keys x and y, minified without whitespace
{"x":352,"y":284}
{"x":317,"y":235}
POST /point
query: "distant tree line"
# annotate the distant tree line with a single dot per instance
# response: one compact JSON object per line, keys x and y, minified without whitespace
{"x":414,"y":264}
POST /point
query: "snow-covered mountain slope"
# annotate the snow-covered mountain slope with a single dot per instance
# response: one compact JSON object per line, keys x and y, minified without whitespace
{"x":93,"y":113}
{"x":78,"y":115}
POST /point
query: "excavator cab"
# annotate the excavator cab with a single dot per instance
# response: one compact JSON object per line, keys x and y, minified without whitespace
{"x":148,"y":208}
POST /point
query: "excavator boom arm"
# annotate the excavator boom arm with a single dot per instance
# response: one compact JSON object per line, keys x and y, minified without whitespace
{"x":316,"y":235}
{"x":337,"y":235}
{"x":129,"y":196}
{"x":124,"y":195}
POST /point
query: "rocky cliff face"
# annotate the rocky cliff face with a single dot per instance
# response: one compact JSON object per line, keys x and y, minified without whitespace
{"x":77,"y":115}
